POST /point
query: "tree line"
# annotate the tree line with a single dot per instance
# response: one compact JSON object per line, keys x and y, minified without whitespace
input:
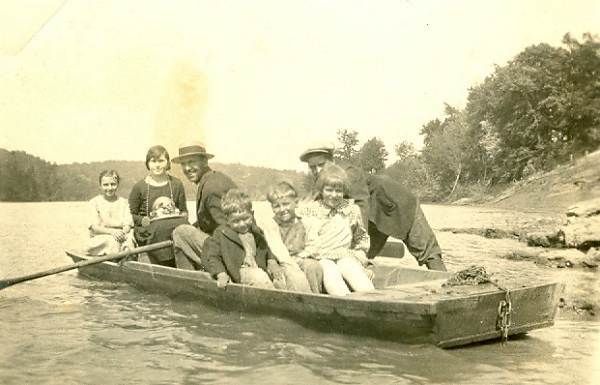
{"x":539,"y":110}
{"x":28,"y":178}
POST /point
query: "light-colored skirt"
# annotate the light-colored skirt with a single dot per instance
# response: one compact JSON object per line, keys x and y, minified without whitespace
{"x":104,"y":244}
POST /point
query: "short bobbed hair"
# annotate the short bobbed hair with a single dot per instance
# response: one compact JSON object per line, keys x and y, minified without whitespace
{"x":109,"y":173}
{"x":281,"y":190}
{"x":156,"y":152}
{"x":235,"y":201}
{"x":332,"y":175}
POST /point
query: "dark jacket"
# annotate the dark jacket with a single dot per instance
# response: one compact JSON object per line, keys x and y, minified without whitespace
{"x":225,"y":253}
{"x":392,"y":207}
{"x":358,"y":191}
{"x":211,"y":187}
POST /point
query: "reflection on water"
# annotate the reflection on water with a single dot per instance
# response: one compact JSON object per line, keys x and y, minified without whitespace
{"x":68,"y":329}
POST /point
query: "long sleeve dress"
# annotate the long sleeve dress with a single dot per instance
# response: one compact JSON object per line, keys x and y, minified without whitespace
{"x":141,"y":199}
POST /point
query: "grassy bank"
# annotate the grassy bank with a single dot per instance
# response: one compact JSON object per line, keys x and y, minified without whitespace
{"x":552,"y":191}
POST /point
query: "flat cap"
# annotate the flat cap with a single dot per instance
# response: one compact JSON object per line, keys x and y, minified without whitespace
{"x":320,"y":147}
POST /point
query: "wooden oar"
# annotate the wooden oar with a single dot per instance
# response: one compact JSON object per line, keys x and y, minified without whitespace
{"x":4,"y":283}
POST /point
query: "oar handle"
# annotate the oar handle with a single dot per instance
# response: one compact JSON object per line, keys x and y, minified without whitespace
{"x":111,"y":257}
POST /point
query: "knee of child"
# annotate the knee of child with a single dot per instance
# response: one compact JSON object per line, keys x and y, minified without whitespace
{"x":327,"y":264}
{"x":349,"y":263}
{"x":314,"y":269}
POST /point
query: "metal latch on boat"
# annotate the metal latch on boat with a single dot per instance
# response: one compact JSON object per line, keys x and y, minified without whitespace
{"x":504,"y":315}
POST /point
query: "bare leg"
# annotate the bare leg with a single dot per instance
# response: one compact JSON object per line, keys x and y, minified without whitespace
{"x":354,"y":273}
{"x":332,"y":278}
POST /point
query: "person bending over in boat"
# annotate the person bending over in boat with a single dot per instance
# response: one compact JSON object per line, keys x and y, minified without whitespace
{"x":335,"y":234}
{"x":237,"y":251}
{"x":387,"y":209}
{"x":158,"y":183}
{"x":188,"y":240}
{"x":111,"y":221}
{"x":284,"y":199}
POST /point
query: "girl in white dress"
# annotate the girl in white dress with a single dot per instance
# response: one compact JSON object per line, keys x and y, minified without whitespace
{"x":110,"y":218}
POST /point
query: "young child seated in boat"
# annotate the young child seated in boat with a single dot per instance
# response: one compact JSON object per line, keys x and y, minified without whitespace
{"x":284,"y":199}
{"x":163,"y":218}
{"x":164,"y":207}
{"x":335,"y":234}
{"x":110,"y":219}
{"x":237,"y":251}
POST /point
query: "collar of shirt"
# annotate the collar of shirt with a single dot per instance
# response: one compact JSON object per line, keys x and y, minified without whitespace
{"x":344,"y":208}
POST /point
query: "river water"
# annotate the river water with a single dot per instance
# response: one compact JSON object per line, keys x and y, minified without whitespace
{"x":67,"y":329}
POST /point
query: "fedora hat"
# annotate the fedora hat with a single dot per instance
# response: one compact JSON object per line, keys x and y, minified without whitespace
{"x":320,"y":147}
{"x":190,"y":149}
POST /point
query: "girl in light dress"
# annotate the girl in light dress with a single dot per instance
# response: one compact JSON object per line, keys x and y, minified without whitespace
{"x":335,"y":235}
{"x":110,"y":218}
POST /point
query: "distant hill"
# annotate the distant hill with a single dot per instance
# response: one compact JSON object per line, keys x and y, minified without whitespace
{"x":28,"y":178}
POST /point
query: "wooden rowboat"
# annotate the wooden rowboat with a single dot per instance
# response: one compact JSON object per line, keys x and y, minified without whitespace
{"x":408,"y":305}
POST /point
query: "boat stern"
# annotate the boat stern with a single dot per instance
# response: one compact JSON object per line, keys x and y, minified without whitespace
{"x":465,"y":320}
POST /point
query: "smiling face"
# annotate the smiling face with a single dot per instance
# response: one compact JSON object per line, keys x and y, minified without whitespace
{"x":284,"y":209}
{"x":332,"y":194}
{"x":158,"y":166}
{"x":194,"y":167}
{"x":108,"y":186}
{"x":240,"y":221}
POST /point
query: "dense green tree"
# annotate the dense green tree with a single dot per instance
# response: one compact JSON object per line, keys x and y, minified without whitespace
{"x":346,"y":151}
{"x":445,"y":153}
{"x":540,"y":109}
{"x":582,"y":93}
{"x":411,"y":171}
{"x":405,"y":150}
{"x":373,"y":155}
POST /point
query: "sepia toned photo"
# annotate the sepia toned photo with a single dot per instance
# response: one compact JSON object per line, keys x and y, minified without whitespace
{"x":299,"y":192}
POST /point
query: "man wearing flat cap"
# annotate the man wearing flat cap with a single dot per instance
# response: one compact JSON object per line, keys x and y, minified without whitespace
{"x":388,"y":209}
{"x":212,"y":185}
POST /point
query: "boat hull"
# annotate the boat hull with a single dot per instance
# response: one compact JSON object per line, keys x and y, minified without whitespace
{"x":389,"y":313}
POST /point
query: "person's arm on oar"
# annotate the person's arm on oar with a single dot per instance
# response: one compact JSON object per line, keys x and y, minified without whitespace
{"x":4,"y":283}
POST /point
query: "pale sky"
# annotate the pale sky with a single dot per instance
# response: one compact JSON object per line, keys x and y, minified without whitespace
{"x":257,"y":80}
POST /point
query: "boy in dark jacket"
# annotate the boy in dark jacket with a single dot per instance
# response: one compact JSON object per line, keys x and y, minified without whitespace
{"x":237,"y":251}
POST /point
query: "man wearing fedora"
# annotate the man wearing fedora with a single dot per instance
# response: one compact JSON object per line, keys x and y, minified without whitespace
{"x":388,"y":209}
{"x":212,"y":185}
